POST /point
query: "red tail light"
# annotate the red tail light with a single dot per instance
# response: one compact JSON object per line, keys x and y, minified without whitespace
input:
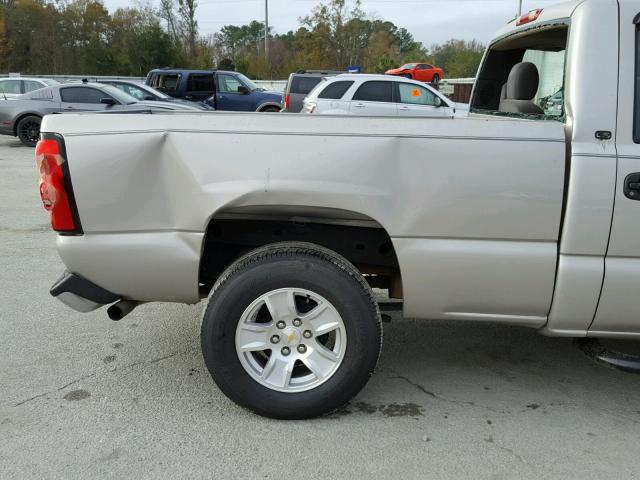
{"x":528,"y":17}
{"x":55,"y":184}
{"x":287,"y":99}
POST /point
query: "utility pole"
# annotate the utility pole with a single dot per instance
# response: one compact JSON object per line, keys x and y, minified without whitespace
{"x":266,"y":30}
{"x":519,"y":7}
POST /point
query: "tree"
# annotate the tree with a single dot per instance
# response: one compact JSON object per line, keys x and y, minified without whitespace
{"x":188,"y":25}
{"x":226,"y":64}
{"x":458,"y":58}
{"x":130,"y":41}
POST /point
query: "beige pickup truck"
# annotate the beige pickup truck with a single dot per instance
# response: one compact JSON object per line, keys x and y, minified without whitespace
{"x":525,"y":212}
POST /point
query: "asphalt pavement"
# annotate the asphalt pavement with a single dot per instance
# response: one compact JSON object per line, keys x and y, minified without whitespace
{"x":82,"y":397}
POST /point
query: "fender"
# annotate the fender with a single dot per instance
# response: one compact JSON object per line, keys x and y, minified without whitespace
{"x":15,"y":121}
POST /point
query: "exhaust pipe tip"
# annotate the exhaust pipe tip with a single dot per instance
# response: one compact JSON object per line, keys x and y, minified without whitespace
{"x":121,"y":309}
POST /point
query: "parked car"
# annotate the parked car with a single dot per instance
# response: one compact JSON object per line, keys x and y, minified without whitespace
{"x":141,"y":92}
{"x":14,"y":86}
{"x":423,"y":72}
{"x":299,"y":85}
{"x":221,"y":89}
{"x":22,"y":116}
{"x":364,"y":94}
{"x":285,"y":223}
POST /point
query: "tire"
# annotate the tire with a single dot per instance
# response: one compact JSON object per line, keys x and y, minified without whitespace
{"x":435,"y":80}
{"x":241,"y":302}
{"x":407,"y":75}
{"x":28,"y":130}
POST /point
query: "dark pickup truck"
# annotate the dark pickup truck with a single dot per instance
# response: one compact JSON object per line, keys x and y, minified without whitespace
{"x":221,"y":89}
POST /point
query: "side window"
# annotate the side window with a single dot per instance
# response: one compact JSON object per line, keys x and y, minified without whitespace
{"x":168,"y":82}
{"x":135,"y":92}
{"x":335,"y":90}
{"x":153,"y":80}
{"x":636,"y":104}
{"x":82,"y":95}
{"x":415,"y":94}
{"x":30,"y":86}
{"x":228,"y":83}
{"x":199,"y":82}
{"x":375,"y":91}
{"x":10,"y":86}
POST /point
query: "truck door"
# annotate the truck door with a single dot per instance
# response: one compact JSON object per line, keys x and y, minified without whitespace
{"x":618,"y":310}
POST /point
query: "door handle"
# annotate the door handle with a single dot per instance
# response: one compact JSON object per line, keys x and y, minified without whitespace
{"x":188,"y":97}
{"x":68,"y":108}
{"x":404,"y":108}
{"x":632,"y":186}
{"x":359,"y":105}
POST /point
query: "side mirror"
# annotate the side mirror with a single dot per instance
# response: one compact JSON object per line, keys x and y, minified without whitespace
{"x":438,"y":103}
{"x":108,"y":101}
{"x":242,"y":90}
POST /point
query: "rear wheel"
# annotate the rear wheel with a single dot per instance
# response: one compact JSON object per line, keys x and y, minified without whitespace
{"x":28,"y":130}
{"x":291,"y":331}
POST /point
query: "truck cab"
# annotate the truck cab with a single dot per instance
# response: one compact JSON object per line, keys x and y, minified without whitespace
{"x":539,"y":68}
{"x":220,"y":89}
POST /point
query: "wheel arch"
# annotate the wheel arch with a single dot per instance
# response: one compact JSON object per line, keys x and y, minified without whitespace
{"x":265,"y":105}
{"x":362,"y":240}
{"x":20,"y":117}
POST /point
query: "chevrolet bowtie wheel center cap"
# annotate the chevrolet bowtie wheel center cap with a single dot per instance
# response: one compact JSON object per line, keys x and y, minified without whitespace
{"x":292,"y":336}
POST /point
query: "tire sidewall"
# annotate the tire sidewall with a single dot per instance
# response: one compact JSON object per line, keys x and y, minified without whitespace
{"x":227,"y":305}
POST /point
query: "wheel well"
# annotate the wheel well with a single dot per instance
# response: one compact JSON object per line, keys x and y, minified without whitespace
{"x":369,"y":248}
{"x":15,"y":124}
{"x":268,"y":106}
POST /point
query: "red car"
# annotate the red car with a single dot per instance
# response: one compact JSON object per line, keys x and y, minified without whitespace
{"x":423,"y":72}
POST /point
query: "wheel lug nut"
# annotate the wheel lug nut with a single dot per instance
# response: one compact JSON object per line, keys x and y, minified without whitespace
{"x":297,"y":322}
{"x":281,"y":324}
{"x":285,"y":351}
{"x":275,"y":339}
{"x":307,"y":334}
{"x":302,"y":348}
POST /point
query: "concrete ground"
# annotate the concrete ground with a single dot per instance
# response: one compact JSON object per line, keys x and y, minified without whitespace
{"x":84,"y":397}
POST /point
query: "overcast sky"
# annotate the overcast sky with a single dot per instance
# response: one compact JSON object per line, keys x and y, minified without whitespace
{"x":430,"y":21}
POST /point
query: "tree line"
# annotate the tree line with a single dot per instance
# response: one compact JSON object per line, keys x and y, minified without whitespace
{"x":83,"y":37}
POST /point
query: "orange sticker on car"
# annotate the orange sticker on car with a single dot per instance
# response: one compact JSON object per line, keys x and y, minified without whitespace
{"x":415,"y":92}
